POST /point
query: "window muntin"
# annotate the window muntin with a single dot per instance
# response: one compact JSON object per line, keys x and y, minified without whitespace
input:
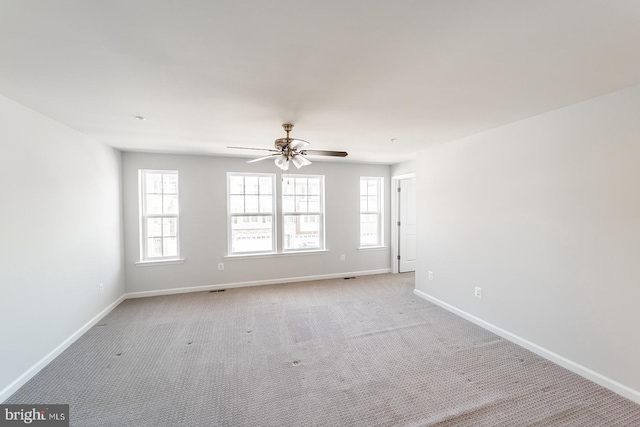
{"x":302,"y":212}
{"x":159,"y":215}
{"x":371,"y":211}
{"x":251,"y":206}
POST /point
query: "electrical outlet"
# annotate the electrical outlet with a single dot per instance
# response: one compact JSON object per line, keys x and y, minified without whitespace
{"x":101,"y":287}
{"x":221,"y":266}
{"x":431,"y":275}
{"x":478,"y":293}
{"x":342,"y":258}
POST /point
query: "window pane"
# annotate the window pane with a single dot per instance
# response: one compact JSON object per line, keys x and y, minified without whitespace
{"x":288,"y":204}
{"x":236,"y":184}
{"x":154,"y":204}
{"x":154,"y":247}
{"x":251,"y":185}
{"x":266,"y":204}
{"x":251,"y":204}
{"x":314,"y":203}
{"x":170,"y":184}
{"x":266,"y":185}
{"x":288,"y":186}
{"x":169,"y":227}
{"x":372,"y":187}
{"x":373,"y":204}
{"x":236,"y":204}
{"x":369,"y":230}
{"x":154,"y":227}
{"x":170,"y":204}
{"x":314,"y":186}
{"x":251,"y":234}
{"x":363,"y":187}
{"x":170,"y":247}
{"x":301,"y":186}
{"x":363,"y":204}
{"x":301,"y":204}
{"x":301,"y":232}
{"x":153,"y":183}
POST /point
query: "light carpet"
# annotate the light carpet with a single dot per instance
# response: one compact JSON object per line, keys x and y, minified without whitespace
{"x":360,"y":352}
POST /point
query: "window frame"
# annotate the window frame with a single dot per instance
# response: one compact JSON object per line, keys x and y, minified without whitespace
{"x":272,"y":214}
{"x":320,"y":213}
{"x":378,"y":211}
{"x":144,"y":215}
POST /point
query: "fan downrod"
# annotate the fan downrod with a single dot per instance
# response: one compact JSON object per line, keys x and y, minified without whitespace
{"x":283,"y":143}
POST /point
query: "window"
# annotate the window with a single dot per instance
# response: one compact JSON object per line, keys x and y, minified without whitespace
{"x":302,"y":212}
{"x":159,"y":210}
{"x":371,"y":211}
{"x":254,"y":215}
{"x":251,"y":213}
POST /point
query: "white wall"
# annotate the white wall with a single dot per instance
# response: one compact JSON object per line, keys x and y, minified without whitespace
{"x":61,"y":228}
{"x":544,"y":215}
{"x":203,"y":225}
{"x":404,"y":168}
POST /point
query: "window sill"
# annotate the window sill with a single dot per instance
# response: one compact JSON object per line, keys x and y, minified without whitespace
{"x":160,"y":262}
{"x":372,"y":248}
{"x":276,"y":255}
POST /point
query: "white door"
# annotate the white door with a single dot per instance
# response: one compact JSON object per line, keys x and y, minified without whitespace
{"x":407,"y":227}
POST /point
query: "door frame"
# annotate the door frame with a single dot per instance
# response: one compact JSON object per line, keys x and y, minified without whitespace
{"x":395,"y":217}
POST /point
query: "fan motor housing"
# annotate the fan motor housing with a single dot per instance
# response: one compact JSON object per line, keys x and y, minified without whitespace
{"x":282,"y":142}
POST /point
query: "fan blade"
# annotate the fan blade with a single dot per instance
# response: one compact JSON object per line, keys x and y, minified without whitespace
{"x":259,"y":149}
{"x":263,"y":158}
{"x":298,"y":144}
{"x":325,"y":153}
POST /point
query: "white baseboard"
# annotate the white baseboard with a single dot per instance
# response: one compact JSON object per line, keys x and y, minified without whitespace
{"x":31,"y":372}
{"x":144,"y":294}
{"x":616,"y":387}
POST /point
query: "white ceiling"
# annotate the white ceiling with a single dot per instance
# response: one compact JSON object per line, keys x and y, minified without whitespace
{"x":350,"y":74}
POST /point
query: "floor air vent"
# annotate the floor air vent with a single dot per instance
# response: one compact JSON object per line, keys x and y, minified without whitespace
{"x":217,"y":290}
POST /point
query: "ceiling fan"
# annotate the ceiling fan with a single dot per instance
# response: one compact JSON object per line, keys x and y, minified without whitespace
{"x":291,"y":150}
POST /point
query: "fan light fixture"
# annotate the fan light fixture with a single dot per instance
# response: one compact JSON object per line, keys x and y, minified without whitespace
{"x":299,"y":161}
{"x":282,"y":162}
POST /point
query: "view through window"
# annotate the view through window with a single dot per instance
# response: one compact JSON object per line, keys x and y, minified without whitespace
{"x":159,"y":208}
{"x":303,"y":212}
{"x":370,"y":211}
{"x":251,"y":213}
